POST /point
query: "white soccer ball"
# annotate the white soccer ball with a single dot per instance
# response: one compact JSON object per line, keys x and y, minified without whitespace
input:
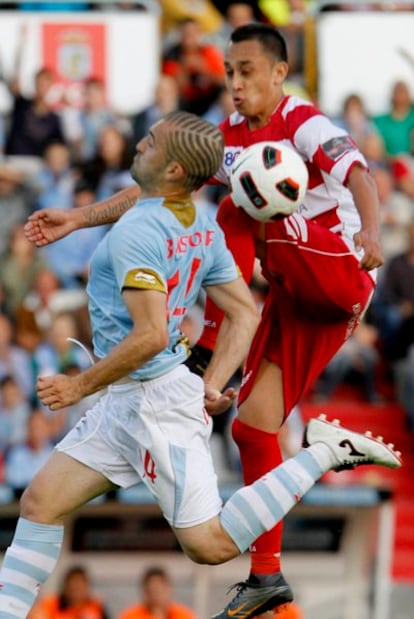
{"x":268,"y":180}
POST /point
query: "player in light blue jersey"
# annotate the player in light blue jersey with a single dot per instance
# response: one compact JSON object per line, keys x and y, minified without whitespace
{"x":151,"y":424}
{"x":179,"y":251}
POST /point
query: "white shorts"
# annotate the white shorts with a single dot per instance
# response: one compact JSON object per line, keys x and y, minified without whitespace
{"x":155,"y":431}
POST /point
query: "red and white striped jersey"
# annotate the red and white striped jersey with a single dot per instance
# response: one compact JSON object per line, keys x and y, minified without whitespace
{"x":328,"y":151}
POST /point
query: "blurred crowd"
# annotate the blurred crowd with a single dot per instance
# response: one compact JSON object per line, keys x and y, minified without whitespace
{"x":155,"y":598}
{"x":69,"y":157}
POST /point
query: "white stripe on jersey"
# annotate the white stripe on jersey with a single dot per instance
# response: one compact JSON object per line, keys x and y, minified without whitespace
{"x":312,"y":250}
{"x":301,"y":224}
{"x":292,"y":104}
{"x":236,"y":119}
{"x":341,"y":168}
{"x":315,"y":131}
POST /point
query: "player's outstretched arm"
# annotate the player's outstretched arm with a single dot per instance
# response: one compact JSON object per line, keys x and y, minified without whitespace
{"x":364,"y":191}
{"x":51,"y":224}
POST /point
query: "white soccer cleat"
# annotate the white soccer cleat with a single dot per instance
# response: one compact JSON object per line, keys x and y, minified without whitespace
{"x":351,"y":449}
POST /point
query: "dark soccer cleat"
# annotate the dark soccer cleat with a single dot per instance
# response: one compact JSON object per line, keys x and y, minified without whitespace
{"x":256,"y":595}
{"x":351,"y":449}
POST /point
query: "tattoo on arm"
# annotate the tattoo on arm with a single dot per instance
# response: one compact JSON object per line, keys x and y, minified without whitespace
{"x":108,"y":214}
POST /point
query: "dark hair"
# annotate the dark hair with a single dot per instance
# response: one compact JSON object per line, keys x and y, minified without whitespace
{"x":92,"y":80}
{"x":187,"y":20}
{"x":154,"y":571}
{"x":84,"y":184}
{"x":44,"y":71}
{"x":271,"y":40}
{"x":76,"y":570}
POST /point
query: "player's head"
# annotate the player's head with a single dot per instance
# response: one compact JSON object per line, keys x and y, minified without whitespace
{"x":256,"y":67}
{"x":181,"y":152}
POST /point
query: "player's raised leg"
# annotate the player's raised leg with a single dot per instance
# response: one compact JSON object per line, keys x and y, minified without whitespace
{"x":257,"y":508}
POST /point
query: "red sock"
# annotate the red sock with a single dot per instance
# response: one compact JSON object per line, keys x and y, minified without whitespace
{"x":259,"y":453}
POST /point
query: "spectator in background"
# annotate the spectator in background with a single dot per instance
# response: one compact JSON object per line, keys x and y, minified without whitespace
{"x":34,"y":317}
{"x":157,"y":599}
{"x":397,"y":126}
{"x":18,"y":197}
{"x":396,"y":209}
{"x":57,"y":353}
{"x":235,"y":14}
{"x":358,"y":356}
{"x":355,"y":119}
{"x":174,"y":11}
{"x":18,"y":268}
{"x":166,"y":100}
{"x":56,"y":177}
{"x":403,"y":172}
{"x":395,"y":301}
{"x":69,"y":257}
{"x":289,"y":16}
{"x":74,"y":600}
{"x":14,"y":413}
{"x":33,"y":124}
{"x":394,"y":315}
{"x":83,"y":126}
{"x":197,"y":67}
{"x":109,"y":171}
{"x":14,"y":361}
{"x":23,"y":460}
{"x":221,"y":108}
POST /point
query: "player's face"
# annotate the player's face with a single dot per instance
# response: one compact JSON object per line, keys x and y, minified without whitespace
{"x":254,"y":81}
{"x":150,"y":161}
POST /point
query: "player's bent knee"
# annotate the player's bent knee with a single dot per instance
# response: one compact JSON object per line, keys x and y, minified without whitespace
{"x":34,"y":507}
{"x":207,"y":544}
{"x":207,"y":555}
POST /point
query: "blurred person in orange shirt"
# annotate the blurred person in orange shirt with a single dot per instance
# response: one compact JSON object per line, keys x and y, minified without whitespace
{"x":75,"y":599}
{"x":197,"y":67}
{"x":157,"y":601}
{"x":289,"y":611}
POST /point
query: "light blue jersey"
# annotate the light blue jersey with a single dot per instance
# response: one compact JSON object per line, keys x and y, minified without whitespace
{"x":157,"y":245}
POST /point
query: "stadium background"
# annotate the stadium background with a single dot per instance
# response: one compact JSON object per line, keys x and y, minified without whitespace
{"x":337,"y":48}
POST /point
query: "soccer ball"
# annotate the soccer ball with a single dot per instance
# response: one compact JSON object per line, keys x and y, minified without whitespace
{"x":268,"y":180}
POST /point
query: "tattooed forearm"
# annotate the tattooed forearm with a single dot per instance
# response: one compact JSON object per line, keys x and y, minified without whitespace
{"x":96,"y":216}
{"x":109,"y":211}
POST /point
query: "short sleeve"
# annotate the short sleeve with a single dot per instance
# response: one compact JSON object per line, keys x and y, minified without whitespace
{"x":137,"y":259}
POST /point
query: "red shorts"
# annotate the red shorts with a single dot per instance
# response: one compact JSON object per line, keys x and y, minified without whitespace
{"x":316,"y":299}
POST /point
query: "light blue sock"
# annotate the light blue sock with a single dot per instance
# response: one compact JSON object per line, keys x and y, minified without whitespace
{"x":27,"y":564}
{"x":257,"y":508}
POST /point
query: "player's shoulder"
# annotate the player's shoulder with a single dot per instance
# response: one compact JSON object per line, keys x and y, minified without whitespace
{"x":141,"y":221}
{"x":232,"y":123}
{"x":146,"y":210}
{"x":293,"y":104}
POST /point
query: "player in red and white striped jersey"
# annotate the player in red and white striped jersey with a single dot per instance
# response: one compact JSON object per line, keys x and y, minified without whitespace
{"x":320,"y":265}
